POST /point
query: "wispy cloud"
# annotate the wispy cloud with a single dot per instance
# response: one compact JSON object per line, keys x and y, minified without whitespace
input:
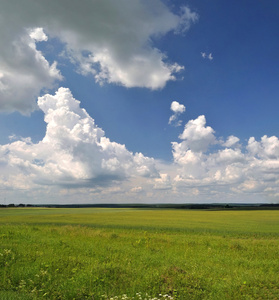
{"x":207,"y":56}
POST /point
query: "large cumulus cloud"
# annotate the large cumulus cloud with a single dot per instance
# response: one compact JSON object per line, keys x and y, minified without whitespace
{"x":111,"y":40}
{"x":74,"y":151}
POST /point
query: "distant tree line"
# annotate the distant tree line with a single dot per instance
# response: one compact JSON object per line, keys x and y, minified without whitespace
{"x":213,"y":206}
{"x":16,"y":205}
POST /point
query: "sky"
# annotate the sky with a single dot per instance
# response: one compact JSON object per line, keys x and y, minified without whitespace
{"x":141,"y":101}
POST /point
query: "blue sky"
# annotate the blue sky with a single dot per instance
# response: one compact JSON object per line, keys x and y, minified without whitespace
{"x":127,"y":62}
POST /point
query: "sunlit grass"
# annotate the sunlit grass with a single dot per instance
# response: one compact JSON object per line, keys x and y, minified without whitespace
{"x":108,"y":253}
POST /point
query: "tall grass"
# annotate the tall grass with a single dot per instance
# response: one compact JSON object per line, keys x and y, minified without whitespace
{"x":132,"y":254}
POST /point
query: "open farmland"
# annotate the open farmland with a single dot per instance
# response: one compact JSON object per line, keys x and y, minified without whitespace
{"x":102,"y":253}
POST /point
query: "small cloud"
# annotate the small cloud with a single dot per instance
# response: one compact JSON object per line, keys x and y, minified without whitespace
{"x":13,"y":137}
{"x":231,"y":142}
{"x":177,"y":109}
{"x":187,"y":18}
{"x":208,"y":56}
{"x":38,"y":34}
{"x":137,"y":189}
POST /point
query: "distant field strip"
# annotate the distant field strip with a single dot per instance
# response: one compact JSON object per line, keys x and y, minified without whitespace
{"x":101,"y":253}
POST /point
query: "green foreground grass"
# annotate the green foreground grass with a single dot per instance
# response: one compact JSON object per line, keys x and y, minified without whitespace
{"x":94,"y":253}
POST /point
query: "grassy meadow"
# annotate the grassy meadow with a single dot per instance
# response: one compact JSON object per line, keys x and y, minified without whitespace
{"x":102,"y":253}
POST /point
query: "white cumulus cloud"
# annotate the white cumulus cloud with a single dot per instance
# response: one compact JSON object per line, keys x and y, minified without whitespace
{"x":177,"y":109}
{"x":196,"y":136}
{"x":230,"y":172}
{"x":74,"y":151}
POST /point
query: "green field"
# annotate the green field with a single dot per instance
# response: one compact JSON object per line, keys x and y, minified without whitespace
{"x":102,"y":253}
